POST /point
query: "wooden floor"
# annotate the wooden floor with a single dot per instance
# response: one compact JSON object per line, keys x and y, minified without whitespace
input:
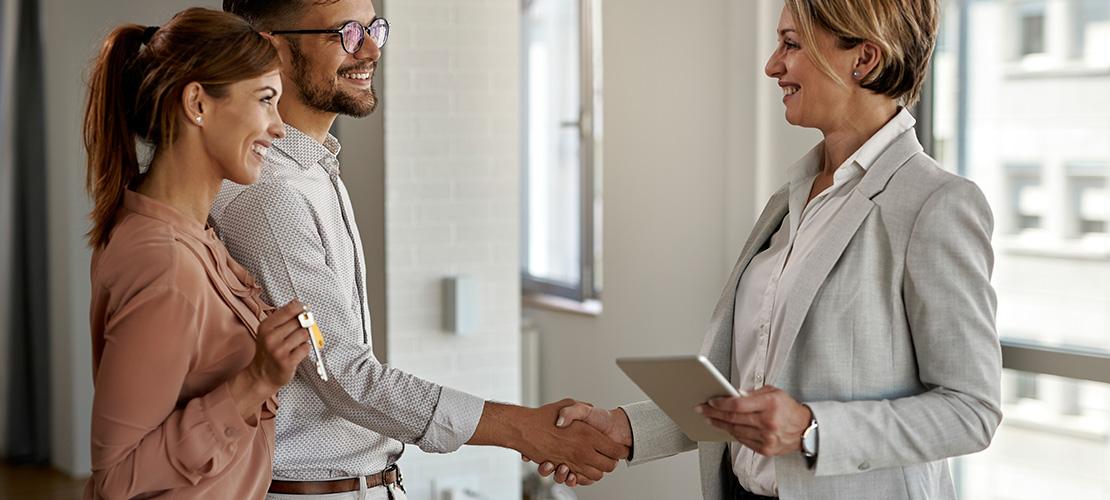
{"x":33,"y":483}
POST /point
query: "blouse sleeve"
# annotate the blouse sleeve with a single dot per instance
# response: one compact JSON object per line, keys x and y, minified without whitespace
{"x":142,"y":441}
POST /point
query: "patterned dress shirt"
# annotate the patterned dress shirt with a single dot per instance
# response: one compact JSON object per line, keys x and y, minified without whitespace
{"x":294,"y":230}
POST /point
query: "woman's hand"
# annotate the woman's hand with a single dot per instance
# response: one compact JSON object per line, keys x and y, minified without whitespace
{"x":280,"y":346}
{"x":768,"y":421}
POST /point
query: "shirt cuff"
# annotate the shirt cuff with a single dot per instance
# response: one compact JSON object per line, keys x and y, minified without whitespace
{"x":223,"y":413}
{"x":453,"y":423}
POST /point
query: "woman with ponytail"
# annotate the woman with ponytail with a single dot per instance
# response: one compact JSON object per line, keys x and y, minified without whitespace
{"x":186,"y":357}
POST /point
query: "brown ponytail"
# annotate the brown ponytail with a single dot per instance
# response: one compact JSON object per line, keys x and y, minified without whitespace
{"x":109,"y":140}
{"x":135,"y":87}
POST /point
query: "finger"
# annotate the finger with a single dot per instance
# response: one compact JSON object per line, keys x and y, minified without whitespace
{"x":275,"y":333}
{"x":749,"y":436}
{"x":755,"y":402}
{"x":291,"y":359}
{"x":576,"y":411}
{"x":561,"y":474}
{"x":293,"y":339}
{"x":546,"y":469}
{"x":524,"y":458}
{"x":286,"y":312}
{"x":572,"y":481}
{"x":709,"y":412}
{"x":588,"y":472}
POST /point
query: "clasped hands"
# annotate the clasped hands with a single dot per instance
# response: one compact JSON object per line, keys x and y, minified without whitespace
{"x":768,"y":421}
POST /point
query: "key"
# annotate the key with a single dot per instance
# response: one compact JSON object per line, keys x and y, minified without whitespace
{"x":316,"y":339}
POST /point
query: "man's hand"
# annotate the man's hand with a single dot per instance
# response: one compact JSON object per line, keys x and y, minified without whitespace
{"x":768,"y":421}
{"x":586,"y":451}
{"x":613,"y":423}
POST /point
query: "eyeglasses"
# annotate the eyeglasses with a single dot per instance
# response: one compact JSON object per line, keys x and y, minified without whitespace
{"x":351,"y":34}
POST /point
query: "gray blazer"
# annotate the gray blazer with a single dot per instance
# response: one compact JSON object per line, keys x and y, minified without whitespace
{"x":892,"y":335}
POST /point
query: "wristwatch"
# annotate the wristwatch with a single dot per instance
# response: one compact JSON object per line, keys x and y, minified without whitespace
{"x":809,"y":441}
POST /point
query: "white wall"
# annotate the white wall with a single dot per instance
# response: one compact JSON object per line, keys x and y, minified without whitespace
{"x":452,"y":138}
{"x":695,"y":142}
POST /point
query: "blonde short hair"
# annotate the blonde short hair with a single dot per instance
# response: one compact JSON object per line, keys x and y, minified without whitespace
{"x":904,"y":30}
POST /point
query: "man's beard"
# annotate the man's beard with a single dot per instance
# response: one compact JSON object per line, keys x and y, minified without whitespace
{"x":328,"y":99}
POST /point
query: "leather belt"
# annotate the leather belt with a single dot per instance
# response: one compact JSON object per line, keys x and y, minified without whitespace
{"x":391,"y":475}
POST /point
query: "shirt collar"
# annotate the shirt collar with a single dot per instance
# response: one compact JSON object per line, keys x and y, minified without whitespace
{"x":307,"y":152}
{"x":806,"y":168}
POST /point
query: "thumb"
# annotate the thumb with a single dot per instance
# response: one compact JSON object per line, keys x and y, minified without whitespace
{"x":576,"y":411}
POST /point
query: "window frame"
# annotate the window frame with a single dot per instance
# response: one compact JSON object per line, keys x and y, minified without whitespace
{"x":586,"y":290}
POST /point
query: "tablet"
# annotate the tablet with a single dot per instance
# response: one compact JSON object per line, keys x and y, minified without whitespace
{"x":679,"y":383}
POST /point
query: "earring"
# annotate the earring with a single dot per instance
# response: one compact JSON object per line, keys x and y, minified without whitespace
{"x":855,"y":74}
{"x":200,"y":119}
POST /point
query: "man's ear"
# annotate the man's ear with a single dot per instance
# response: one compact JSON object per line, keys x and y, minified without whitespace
{"x":280,"y":45}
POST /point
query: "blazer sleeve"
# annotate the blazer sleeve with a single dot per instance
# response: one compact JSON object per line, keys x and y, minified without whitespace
{"x":950,"y":307}
{"x":142,"y":440}
{"x":654,"y":434}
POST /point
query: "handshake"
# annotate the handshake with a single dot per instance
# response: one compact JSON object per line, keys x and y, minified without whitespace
{"x":573,"y":440}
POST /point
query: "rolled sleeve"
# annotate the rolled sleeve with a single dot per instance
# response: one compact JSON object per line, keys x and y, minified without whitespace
{"x":453,"y":423}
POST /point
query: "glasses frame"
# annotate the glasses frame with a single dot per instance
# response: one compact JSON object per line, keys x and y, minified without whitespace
{"x":339,"y":31}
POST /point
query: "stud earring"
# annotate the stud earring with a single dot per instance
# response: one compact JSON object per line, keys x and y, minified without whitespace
{"x":200,"y":119}
{"x":855,"y":74}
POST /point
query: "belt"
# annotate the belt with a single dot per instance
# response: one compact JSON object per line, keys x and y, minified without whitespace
{"x":391,"y":475}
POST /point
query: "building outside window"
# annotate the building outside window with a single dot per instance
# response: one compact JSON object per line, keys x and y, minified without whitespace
{"x":1020,"y":105}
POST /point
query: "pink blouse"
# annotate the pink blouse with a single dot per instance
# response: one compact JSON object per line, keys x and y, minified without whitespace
{"x":173,"y":319}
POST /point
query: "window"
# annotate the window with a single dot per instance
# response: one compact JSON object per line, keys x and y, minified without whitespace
{"x":1026,"y":198}
{"x":1089,"y":209}
{"x":1091,"y":31}
{"x":1038,"y":149}
{"x":1031,"y":26}
{"x":561,"y":145}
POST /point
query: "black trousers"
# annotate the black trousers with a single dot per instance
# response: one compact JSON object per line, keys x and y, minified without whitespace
{"x":732,"y":488}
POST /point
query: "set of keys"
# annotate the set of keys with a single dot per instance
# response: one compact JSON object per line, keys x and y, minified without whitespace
{"x":316,"y":340}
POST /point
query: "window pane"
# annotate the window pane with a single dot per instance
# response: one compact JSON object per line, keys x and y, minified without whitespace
{"x":1092,"y":31}
{"x":1053,"y":443}
{"x":1038,"y":144}
{"x":1036,"y":139}
{"x":553,"y":147}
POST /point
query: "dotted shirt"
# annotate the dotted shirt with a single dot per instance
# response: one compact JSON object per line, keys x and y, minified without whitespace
{"x":294,"y":230}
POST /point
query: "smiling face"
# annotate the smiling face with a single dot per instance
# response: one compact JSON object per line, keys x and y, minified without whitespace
{"x":323,"y":75}
{"x":239,"y":126}
{"x":812,"y":98}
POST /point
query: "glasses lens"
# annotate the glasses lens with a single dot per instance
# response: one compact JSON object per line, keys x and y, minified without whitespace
{"x":352,"y":37}
{"x":379,"y":32}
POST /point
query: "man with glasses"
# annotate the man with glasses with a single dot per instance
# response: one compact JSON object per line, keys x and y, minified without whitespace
{"x":342,"y":430}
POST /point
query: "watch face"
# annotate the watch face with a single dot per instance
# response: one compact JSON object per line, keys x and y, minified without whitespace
{"x":809,"y":439}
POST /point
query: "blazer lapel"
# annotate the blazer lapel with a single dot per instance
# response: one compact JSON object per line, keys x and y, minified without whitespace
{"x":842,"y":229}
{"x":717,"y":346}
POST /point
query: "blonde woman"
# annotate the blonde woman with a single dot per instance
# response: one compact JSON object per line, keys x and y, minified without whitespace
{"x":860,"y":316}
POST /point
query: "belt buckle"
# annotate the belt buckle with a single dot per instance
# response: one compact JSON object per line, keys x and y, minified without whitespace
{"x":385,"y":474}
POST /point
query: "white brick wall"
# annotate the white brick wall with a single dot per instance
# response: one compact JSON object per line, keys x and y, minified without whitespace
{"x":452,"y":207}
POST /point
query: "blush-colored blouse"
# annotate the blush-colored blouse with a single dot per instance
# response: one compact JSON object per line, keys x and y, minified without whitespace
{"x":173,"y":320}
